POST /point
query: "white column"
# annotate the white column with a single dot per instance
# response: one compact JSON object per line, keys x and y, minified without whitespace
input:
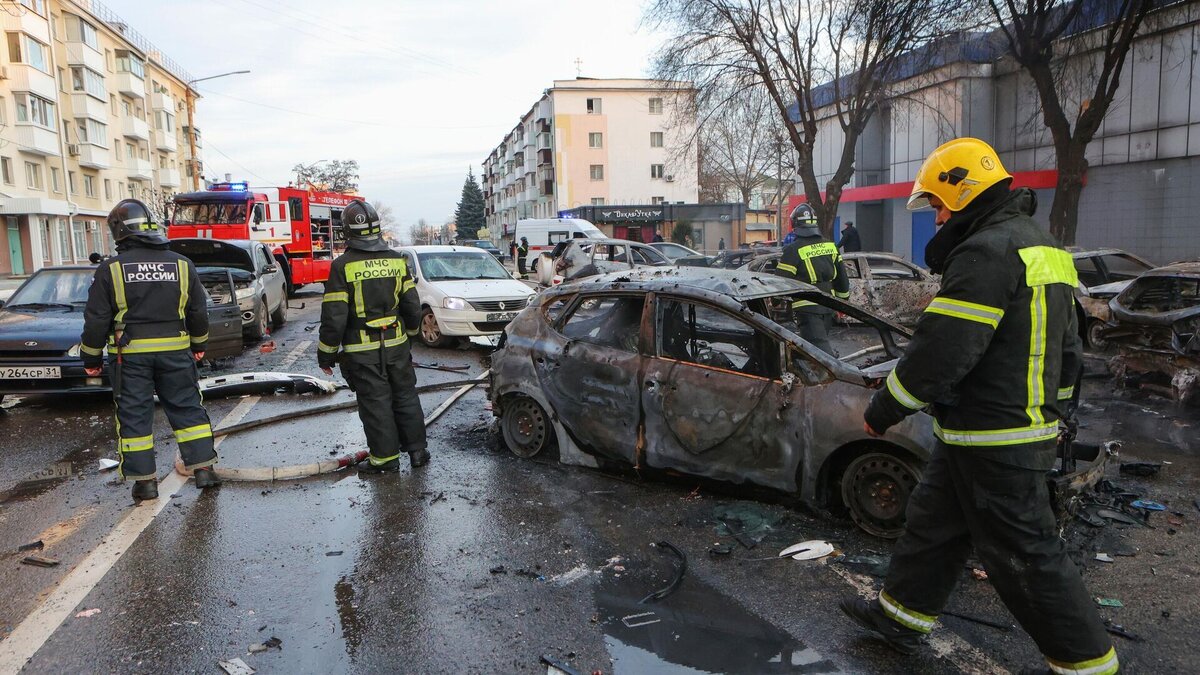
{"x":36,"y":254}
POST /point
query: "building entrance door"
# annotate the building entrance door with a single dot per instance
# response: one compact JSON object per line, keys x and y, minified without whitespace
{"x":15,"y":254}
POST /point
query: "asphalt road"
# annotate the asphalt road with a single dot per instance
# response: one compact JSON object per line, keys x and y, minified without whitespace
{"x":483,"y":562}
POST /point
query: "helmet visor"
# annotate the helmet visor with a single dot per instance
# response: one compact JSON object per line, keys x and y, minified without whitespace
{"x":918,"y":201}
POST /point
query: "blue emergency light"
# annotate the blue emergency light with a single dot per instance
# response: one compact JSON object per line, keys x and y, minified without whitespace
{"x":243,"y":186}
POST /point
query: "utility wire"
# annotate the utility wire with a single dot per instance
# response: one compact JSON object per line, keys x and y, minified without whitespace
{"x":239,"y":164}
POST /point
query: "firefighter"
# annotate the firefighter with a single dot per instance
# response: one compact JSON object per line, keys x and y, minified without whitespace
{"x":522,"y":257}
{"x":993,"y":359}
{"x":813,"y":259}
{"x":369,"y":312}
{"x":148,"y":307}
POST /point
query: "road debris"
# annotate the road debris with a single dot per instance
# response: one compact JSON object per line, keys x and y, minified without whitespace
{"x":807,"y":550}
{"x":438,"y":366}
{"x":675,"y":581}
{"x":267,"y":347}
{"x":235,"y":667}
{"x":264,"y":384}
{"x":639,"y":620}
{"x":32,"y":546}
{"x":1104,"y":557}
{"x":266,"y":645}
{"x":874,"y":565}
{"x":556,"y":666}
{"x":1142,"y":469}
{"x":1109,"y":602}
{"x":108,"y":464}
{"x":87,"y":612}
{"x":980,"y":575}
{"x":330,"y":554}
{"x":40,"y":561}
{"x":1117,"y":629}
{"x":1147,"y":505}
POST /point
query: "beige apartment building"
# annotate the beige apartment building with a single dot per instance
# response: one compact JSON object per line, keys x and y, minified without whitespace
{"x":90,"y":113}
{"x":592,"y":142}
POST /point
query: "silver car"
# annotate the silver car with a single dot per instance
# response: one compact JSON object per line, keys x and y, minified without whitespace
{"x":261,"y":287}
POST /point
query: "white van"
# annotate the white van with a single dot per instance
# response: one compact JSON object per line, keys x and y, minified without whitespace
{"x":544,"y":233}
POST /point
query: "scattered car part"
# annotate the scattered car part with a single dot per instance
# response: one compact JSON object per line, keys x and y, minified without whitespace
{"x":1109,"y":602}
{"x":807,"y":550}
{"x":108,"y":464}
{"x":438,"y":366}
{"x":1103,"y":273}
{"x":639,"y":620}
{"x":264,"y":383}
{"x":235,"y":667}
{"x":874,"y":565}
{"x":1119,"y":517}
{"x":675,"y":580}
{"x":1147,"y":505}
{"x":1104,"y":557}
{"x":555,"y":664}
{"x":40,"y":561}
{"x":1143,"y":469}
{"x":1117,"y":629}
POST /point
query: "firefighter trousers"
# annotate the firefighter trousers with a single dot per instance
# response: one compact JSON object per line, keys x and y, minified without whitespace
{"x":963,"y":499}
{"x":388,"y":404}
{"x":813,"y":324}
{"x":172,"y":375}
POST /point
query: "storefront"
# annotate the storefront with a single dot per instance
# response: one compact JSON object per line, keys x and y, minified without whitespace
{"x":709,"y":223}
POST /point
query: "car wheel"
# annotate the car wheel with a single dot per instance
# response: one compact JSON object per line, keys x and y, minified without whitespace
{"x":431,"y":332}
{"x":279,"y":316}
{"x":1095,"y":330}
{"x":876,"y":488}
{"x":525,"y":427}
{"x":260,"y":328}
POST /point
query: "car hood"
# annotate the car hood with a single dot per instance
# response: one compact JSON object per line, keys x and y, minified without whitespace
{"x":482,"y":288}
{"x":1109,"y":289}
{"x":53,"y":330}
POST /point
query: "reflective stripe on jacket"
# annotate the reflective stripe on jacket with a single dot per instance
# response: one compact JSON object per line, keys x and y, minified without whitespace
{"x":370,"y":303}
{"x":815,"y":260}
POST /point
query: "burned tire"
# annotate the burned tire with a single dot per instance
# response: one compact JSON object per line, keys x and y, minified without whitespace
{"x":526,"y":427}
{"x":876,"y":487}
{"x":1095,"y":339}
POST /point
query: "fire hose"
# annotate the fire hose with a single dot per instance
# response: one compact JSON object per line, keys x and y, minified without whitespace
{"x":274,"y":473}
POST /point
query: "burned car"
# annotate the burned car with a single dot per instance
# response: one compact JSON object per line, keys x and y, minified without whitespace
{"x":696,"y":371}
{"x":1157,"y":332}
{"x":584,"y":257}
{"x":882,"y":282}
{"x":1103,"y":273}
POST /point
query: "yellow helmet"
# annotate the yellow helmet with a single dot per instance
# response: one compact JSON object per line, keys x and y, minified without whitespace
{"x":956,"y":173}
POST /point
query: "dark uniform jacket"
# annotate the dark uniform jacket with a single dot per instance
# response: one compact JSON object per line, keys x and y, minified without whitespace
{"x":997,"y":352}
{"x":152,"y":297}
{"x":815,"y":260}
{"x":370,"y":303}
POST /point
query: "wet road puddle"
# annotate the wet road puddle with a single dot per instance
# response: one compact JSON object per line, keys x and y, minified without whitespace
{"x":696,"y":629}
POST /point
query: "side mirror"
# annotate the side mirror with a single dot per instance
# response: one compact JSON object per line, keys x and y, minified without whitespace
{"x":95,"y":258}
{"x":270,"y":269}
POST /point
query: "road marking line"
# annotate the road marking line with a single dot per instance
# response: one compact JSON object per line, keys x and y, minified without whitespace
{"x":945,"y":644}
{"x":295,"y":354}
{"x":33,"y":631}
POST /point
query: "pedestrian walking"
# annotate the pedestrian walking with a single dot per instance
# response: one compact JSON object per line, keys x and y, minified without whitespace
{"x":369,"y":312}
{"x":658,"y":237}
{"x":522,"y":254}
{"x":721,"y":244}
{"x":147,"y":306}
{"x":993,"y":360}
{"x":850,"y":242}
{"x":813,"y":259}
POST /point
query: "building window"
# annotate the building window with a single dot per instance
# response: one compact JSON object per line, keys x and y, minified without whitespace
{"x":87,"y":80}
{"x":656,"y":106}
{"x":597,"y":201}
{"x":6,"y":170}
{"x":164,"y":121}
{"x":64,"y":242}
{"x":79,"y":30}
{"x":89,"y":185}
{"x":120,"y":188}
{"x":35,"y":110}
{"x":72,"y":185}
{"x":24,"y":49}
{"x":656,"y":139}
{"x":38,"y":6}
{"x":658,"y":200}
{"x":133,"y":190}
{"x":130,"y":151}
{"x":62,"y":80}
{"x":116,"y":150}
{"x":593,"y":106}
{"x":597,"y":171}
{"x":107,"y":189}
{"x":79,"y":238}
{"x":33,"y":176}
{"x":128,"y":62}
{"x":112,"y":100}
{"x":91,"y":131}
{"x":108,"y":60}
{"x":55,"y":179}
{"x":656,"y":170}
{"x":595,"y":140}
{"x":126,"y":107}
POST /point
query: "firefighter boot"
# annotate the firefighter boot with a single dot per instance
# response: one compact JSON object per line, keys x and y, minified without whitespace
{"x":145,"y":489}
{"x":418,"y":458}
{"x":871,"y":617}
{"x":206,"y":478}
{"x":390,"y":466}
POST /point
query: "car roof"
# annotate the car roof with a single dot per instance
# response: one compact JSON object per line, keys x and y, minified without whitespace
{"x":739,"y":284}
{"x":240,"y":243}
{"x":439,"y":249}
{"x":589,"y":240}
{"x":67,"y":268}
{"x":1077,"y":252}
{"x":1179,"y":269}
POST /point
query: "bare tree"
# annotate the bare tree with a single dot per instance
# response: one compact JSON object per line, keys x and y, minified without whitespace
{"x":736,"y":146}
{"x":824,"y":65}
{"x":336,"y":175}
{"x":424,"y":233}
{"x":1034,"y":30}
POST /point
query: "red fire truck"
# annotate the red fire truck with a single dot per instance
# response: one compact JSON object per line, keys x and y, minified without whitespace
{"x":302,"y":227}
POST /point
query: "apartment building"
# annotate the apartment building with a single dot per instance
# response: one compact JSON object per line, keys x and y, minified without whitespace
{"x":90,"y":113}
{"x":593,"y":142}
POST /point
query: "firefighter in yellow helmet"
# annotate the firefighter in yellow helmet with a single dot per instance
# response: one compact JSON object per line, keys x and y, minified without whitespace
{"x":993,"y":359}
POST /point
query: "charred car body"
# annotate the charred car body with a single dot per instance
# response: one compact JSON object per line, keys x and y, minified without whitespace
{"x":585,"y":257}
{"x":1103,"y":273}
{"x":1157,"y":331}
{"x":695,"y":371}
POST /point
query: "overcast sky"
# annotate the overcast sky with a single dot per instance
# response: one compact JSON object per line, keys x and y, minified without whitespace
{"x":416,"y":90}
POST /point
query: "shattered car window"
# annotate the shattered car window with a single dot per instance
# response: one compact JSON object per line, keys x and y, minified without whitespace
{"x":884,"y":268}
{"x":1088,"y":274}
{"x":1164,"y":294}
{"x":607,"y":321}
{"x":709,"y":337}
{"x":852,"y":269}
{"x":555,"y":307}
{"x":1123,"y":267}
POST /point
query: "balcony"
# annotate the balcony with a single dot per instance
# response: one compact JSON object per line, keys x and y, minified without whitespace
{"x":164,"y":140}
{"x":161,"y":101}
{"x":543,"y":141}
{"x":130,"y":85}
{"x":90,"y":107}
{"x":188,"y":131}
{"x":132,"y":127}
{"x":92,"y":156}
{"x":81,"y":54}
{"x":167,"y":177}
{"x":545,"y":157}
{"x":547,"y":188}
{"x":27,"y":78}
{"x":36,"y":140}
{"x":139,"y":169}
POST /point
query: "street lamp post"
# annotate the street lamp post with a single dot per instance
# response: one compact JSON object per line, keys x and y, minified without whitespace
{"x":191,"y":112}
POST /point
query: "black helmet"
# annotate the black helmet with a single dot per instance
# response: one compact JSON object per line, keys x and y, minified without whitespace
{"x":131,"y":219}
{"x":361,"y":224}
{"x":804,"y":219}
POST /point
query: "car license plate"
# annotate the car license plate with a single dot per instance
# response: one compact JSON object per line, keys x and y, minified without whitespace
{"x":30,"y":372}
{"x":501,"y":316}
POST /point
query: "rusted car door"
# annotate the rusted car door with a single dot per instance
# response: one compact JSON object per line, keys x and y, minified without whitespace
{"x":588,"y":369}
{"x":713,"y":398}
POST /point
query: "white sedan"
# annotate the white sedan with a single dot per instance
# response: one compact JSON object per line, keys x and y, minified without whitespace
{"x":464,"y":292}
